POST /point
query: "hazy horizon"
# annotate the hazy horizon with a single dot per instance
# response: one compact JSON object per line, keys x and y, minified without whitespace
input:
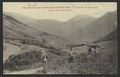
{"x":98,"y":9}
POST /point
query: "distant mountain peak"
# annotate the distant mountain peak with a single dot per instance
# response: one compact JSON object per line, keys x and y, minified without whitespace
{"x":81,"y":17}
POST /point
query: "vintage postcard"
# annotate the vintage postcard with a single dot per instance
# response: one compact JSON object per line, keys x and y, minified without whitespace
{"x":60,"y":38}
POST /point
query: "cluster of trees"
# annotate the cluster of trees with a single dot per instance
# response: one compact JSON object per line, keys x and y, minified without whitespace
{"x":37,"y":43}
{"x":29,"y":41}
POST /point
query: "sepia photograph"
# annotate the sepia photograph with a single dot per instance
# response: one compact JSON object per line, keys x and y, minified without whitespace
{"x":60,"y":38}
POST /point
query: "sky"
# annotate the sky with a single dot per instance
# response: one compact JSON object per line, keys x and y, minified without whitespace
{"x":59,"y":10}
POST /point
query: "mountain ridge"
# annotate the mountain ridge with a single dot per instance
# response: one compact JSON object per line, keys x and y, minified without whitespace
{"x":14,"y":29}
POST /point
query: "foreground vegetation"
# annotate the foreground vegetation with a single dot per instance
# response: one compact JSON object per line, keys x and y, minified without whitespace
{"x":105,"y":62}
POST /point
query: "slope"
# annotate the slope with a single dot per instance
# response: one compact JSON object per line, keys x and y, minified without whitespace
{"x":55,"y":27}
{"x":101,"y":27}
{"x":13,"y":28}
